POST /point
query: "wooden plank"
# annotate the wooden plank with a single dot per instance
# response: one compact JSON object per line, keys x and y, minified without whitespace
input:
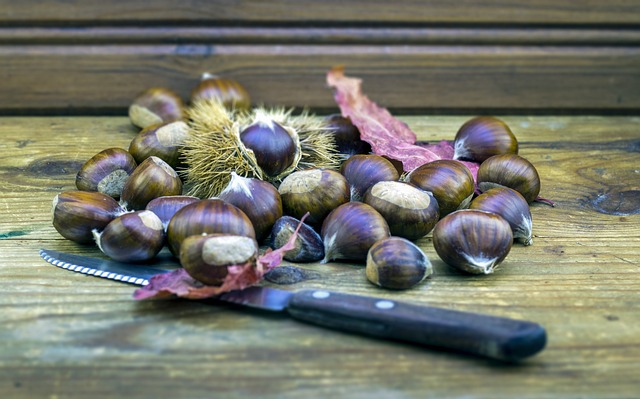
{"x":68,"y":78}
{"x":73,"y":336}
{"x":329,"y":11}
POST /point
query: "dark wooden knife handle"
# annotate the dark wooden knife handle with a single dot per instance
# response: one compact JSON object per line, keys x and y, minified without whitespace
{"x":489,"y":336}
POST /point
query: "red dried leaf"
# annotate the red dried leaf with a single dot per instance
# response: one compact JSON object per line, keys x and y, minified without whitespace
{"x":180,"y":283}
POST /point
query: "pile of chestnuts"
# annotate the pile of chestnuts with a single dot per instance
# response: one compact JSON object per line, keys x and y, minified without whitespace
{"x":132,"y":203}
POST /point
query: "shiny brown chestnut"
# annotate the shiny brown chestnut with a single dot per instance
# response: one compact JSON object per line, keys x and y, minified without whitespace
{"x":274,"y":148}
{"x":154,"y":106}
{"x":346,"y":135}
{"x":364,"y":170}
{"x":228,"y":91}
{"x":397,"y":263}
{"x":513,"y":208}
{"x":482,"y":137}
{"x":450,"y":182}
{"x":77,"y":213}
{"x":207,"y":257}
{"x":258,"y":199}
{"x":153,"y":178}
{"x":308,"y":243}
{"x":317,"y":191}
{"x":167,"y":206}
{"x":208,"y":216}
{"x":131,"y":237}
{"x":472,"y":240}
{"x":106,"y":172}
{"x":163,"y":141}
{"x":350,"y":230}
{"x":410,"y":212}
{"x":510,"y":170}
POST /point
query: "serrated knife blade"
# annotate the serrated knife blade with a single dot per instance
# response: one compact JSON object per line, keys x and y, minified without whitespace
{"x":483,"y":335}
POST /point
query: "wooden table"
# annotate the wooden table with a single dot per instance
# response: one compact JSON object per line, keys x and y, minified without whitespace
{"x":64,"y":335}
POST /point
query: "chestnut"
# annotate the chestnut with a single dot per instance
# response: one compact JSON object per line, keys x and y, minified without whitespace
{"x":396,"y":263}
{"x":207,"y":257}
{"x":106,"y":172}
{"x":450,"y":182}
{"x":512,"y":206}
{"x":317,"y":191}
{"x":154,"y":106}
{"x":273,"y":146}
{"x":410,"y":212}
{"x":258,"y":199}
{"x":363,"y":171}
{"x":153,"y":178}
{"x":308,"y":244}
{"x":228,"y":91}
{"x":350,"y":230}
{"x":208,"y":216}
{"x":77,"y":213}
{"x":131,"y":237}
{"x":163,"y":141}
{"x":167,"y":206}
{"x":346,"y":135}
{"x":483,"y":137}
{"x":472,"y":241}
{"x":510,"y":170}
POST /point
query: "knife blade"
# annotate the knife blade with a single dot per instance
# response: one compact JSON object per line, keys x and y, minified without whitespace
{"x":489,"y":336}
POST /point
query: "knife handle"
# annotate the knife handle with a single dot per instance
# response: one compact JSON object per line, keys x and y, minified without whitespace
{"x":489,"y":336}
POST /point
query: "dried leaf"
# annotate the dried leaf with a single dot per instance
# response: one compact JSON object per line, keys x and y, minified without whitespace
{"x":180,"y":283}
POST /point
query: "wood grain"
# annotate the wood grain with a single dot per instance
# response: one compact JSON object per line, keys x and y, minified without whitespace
{"x":73,"y":336}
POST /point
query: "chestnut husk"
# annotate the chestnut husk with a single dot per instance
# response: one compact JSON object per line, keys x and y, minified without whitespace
{"x":106,"y":172}
{"x":397,"y":263}
{"x":450,"y":182}
{"x":77,"y":213}
{"x":156,"y":105}
{"x":512,"y":206}
{"x":226,"y":90}
{"x":163,"y":141}
{"x":410,"y":212}
{"x":512,"y":171}
{"x":482,"y":137}
{"x":208,"y":216}
{"x":206,"y":257}
{"x":132,"y":237}
{"x":316,"y":191}
{"x":153,"y":178}
{"x":472,"y":240}
{"x":364,"y":170}
{"x":308,"y":243}
{"x":350,"y":230}
{"x":258,"y":199}
{"x":167,"y":206}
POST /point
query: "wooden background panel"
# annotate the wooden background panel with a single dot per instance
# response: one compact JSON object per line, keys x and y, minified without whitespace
{"x":328,"y":11}
{"x":77,"y":78}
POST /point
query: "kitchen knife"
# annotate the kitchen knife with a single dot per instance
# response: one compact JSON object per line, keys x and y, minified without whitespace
{"x":489,"y":336}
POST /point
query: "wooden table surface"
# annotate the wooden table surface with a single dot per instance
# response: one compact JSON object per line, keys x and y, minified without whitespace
{"x":65,"y":335}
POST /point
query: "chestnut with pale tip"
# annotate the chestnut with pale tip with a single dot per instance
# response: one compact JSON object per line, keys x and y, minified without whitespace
{"x":308,"y":246}
{"x":153,"y":178}
{"x":274,"y":148}
{"x":167,"y":206}
{"x":450,"y":182}
{"x":226,"y":90}
{"x":208,"y":216}
{"x":154,"y":106}
{"x":258,"y":199}
{"x":410,"y":212}
{"x":106,"y":172}
{"x":510,"y":170}
{"x":207,"y":257}
{"x":77,"y":213}
{"x":472,"y":240}
{"x":132,"y":237}
{"x":317,"y":191}
{"x":483,"y":137}
{"x":397,"y":263}
{"x":364,"y":170}
{"x":163,"y":141}
{"x":350,"y":230}
{"x":512,"y":206}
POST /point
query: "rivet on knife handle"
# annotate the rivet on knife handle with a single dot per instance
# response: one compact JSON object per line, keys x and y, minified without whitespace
{"x":489,"y":336}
